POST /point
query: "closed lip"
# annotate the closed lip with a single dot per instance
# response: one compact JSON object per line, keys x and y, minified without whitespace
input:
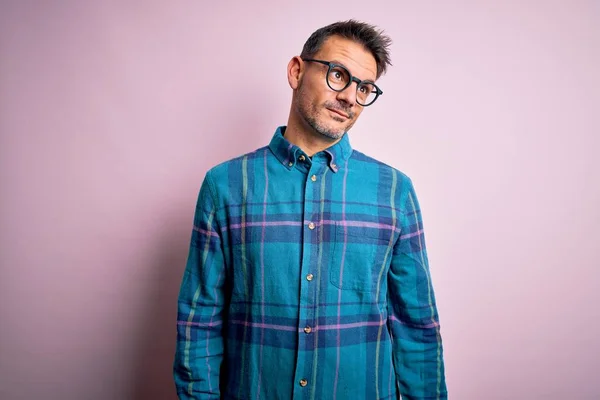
{"x":343,"y":114}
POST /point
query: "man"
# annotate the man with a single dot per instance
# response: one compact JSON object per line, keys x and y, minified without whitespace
{"x":307,"y":275}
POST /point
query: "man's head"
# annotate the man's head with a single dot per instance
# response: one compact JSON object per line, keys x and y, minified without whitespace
{"x":322,"y":102}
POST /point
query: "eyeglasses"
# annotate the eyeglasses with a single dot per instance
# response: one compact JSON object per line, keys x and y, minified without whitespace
{"x":339,"y":78}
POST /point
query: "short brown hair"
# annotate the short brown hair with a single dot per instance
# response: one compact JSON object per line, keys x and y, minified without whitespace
{"x":368,"y":35}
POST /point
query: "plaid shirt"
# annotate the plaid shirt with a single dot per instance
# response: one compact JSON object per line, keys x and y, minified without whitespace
{"x":307,"y":278}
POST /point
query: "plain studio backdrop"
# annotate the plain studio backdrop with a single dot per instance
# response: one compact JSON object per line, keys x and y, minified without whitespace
{"x":111,"y":113}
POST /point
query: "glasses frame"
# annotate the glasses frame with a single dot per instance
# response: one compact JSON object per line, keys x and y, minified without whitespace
{"x":331,"y":65}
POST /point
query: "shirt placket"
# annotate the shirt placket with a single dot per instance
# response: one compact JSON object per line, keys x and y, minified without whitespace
{"x":309,"y":279}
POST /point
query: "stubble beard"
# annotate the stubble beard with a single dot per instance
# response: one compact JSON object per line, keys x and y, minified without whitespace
{"x":309,"y":112}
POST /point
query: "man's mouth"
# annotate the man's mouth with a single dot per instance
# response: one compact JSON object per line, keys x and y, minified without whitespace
{"x":339,"y":112}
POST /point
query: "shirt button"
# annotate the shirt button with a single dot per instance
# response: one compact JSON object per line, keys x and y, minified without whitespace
{"x":309,"y":277}
{"x":313,"y":178}
{"x":303,"y":382}
{"x":307,"y":329}
{"x":301,"y":158}
{"x":311,"y":226}
{"x":290,"y":163}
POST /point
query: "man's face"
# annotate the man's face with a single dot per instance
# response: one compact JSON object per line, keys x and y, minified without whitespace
{"x":327,"y":112}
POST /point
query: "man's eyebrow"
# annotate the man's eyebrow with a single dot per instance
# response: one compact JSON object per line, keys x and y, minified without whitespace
{"x":339,"y":63}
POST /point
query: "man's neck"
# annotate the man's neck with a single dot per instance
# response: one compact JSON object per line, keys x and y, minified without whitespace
{"x":310,"y":142}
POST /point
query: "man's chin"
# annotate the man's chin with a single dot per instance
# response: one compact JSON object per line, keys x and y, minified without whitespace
{"x":332,"y":134}
{"x":328,"y":130}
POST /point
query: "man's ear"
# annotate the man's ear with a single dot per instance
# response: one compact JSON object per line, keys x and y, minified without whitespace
{"x":295,"y":70}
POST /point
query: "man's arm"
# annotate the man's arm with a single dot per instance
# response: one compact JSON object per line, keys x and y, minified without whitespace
{"x":414,"y":323}
{"x":199,"y":348}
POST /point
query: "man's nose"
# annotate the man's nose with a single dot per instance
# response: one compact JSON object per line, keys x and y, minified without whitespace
{"x":348,"y":95}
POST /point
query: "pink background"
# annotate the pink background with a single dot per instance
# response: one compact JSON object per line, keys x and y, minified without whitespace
{"x":111,"y":113}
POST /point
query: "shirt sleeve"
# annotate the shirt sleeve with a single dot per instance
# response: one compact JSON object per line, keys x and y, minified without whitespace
{"x":412,"y":312}
{"x":199,"y":346}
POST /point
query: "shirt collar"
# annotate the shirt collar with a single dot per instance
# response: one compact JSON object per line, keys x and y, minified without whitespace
{"x":288,"y":153}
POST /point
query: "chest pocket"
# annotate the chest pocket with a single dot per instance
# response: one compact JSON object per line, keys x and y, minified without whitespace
{"x":360,"y":254}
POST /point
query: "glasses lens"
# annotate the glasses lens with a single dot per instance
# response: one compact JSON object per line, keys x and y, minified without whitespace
{"x":338,"y":78}
{"x":366,"y":93}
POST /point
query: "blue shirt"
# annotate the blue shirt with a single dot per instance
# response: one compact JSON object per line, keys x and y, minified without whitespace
{"x":307,"y":278}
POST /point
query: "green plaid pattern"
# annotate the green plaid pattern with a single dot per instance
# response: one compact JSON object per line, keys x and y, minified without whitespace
{"x":307,"y":278}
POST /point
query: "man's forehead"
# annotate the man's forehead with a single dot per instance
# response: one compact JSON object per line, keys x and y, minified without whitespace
{"x":353,"y":55}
